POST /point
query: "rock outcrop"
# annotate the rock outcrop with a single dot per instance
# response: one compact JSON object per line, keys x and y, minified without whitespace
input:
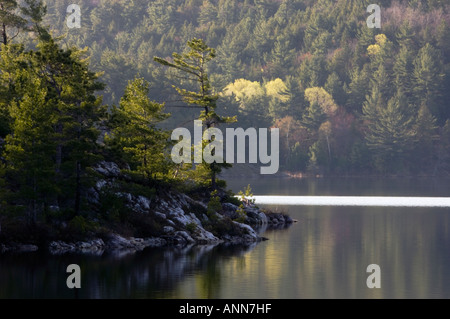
{"x":15,"y":247}
{"x":181,"y":219}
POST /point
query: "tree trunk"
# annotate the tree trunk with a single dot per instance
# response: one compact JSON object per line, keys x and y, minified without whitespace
{"x":146,"y":172}
{"x":58,"y":160}
{"x":4,"y":35}
{"x":213,"y":177}
{"x":33,"y":212}
{"x":329,"y":150}
{"x":78,"y":189}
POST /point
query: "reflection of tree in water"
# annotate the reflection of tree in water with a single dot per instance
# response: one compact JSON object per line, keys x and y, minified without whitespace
{"x":154,"y":273}
{"x":210,"y":277}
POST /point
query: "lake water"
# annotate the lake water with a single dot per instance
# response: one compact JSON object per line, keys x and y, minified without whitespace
{"x":324,"y":255}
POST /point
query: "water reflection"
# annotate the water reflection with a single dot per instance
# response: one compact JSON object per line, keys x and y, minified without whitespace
{"x":153,"y":273}
{"x":324,"y":255}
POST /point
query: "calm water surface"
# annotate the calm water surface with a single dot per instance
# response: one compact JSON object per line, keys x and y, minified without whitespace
{"x":324,"y":255}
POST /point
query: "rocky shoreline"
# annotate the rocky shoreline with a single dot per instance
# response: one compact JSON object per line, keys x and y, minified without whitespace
{"x":118,"y":244}
{"x":181,"y":219}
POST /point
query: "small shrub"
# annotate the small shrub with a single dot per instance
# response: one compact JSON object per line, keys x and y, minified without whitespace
{"x":80,"y":226}
{"x":246,"y":194}
{"x":214,"y":204}
{"x":191,"y":227}
{"x":221,"y":183}
{"x":113,"y":207}
{"x":242,"y":214}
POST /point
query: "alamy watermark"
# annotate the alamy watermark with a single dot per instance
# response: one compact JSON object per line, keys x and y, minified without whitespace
{"x":74,"y":19}
{"x":374,"y":279}
{"x":213,"y":152}
{"x":374,"y":20}
{"x":74,"y":279}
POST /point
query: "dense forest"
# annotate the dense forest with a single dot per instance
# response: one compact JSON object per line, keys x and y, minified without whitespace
{"x":348,"y":99}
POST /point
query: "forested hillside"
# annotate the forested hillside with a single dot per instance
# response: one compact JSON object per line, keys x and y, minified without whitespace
{"x":348,"y":99}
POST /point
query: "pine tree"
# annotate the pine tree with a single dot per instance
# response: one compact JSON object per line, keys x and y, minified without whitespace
{"x":403,"y":70}
{"x":405,"y":37}
{"x":11,"y":59}
{"x":30,"y":150}
{"x":381,"y":79}
{"x":73,"y":86}
{"x":230,"y":66}
{"x":11,"y":22}
{"x":134,"y":134}
{"x":193,"y":64}
{"x":372,"y":105}
{"x":208,"y":13}
{"x":443,"y":40}
{"x":336,"y":88}
{"x":281,"y":57}
{"x":390,"y":134}
{"x":428,"y":80}
{"x":160,"y":13}
{"x":297,"y":100}
{"x":314,"y":117}
{"x":34,"y":11}
{"x":358,"y":88}
{"x":60,"y":100}
{"x":365,"y":38}
{"x":119,"y":69}
{"x":279,"y":98}
{"x":9,"y":19}
{"x":426,"y":137}
{"x":313,"y":71}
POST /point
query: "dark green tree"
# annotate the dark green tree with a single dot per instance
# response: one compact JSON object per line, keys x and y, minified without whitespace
{"x":10,"y":20}
{"x":405,"y":37}
{"x":134,"y":134}
{"x":314,"y":117}
{"x":15,"y":18}
{"x":193,"y":66}
{"x":403,"y":70}
{"x":28,"y":152}
{"x":358,"y":88}
{"x":313,"y":71}
{"x":428,"y":80}
{"x":443,"y":40}
{"x":426,"y":138}
{"x":390,"y":134}
{"x":34,"y":11}
{"x":72,"y":87}
{"x":381,"y":79}
{"x":54,"y":126}
{"x":336,"y":88}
